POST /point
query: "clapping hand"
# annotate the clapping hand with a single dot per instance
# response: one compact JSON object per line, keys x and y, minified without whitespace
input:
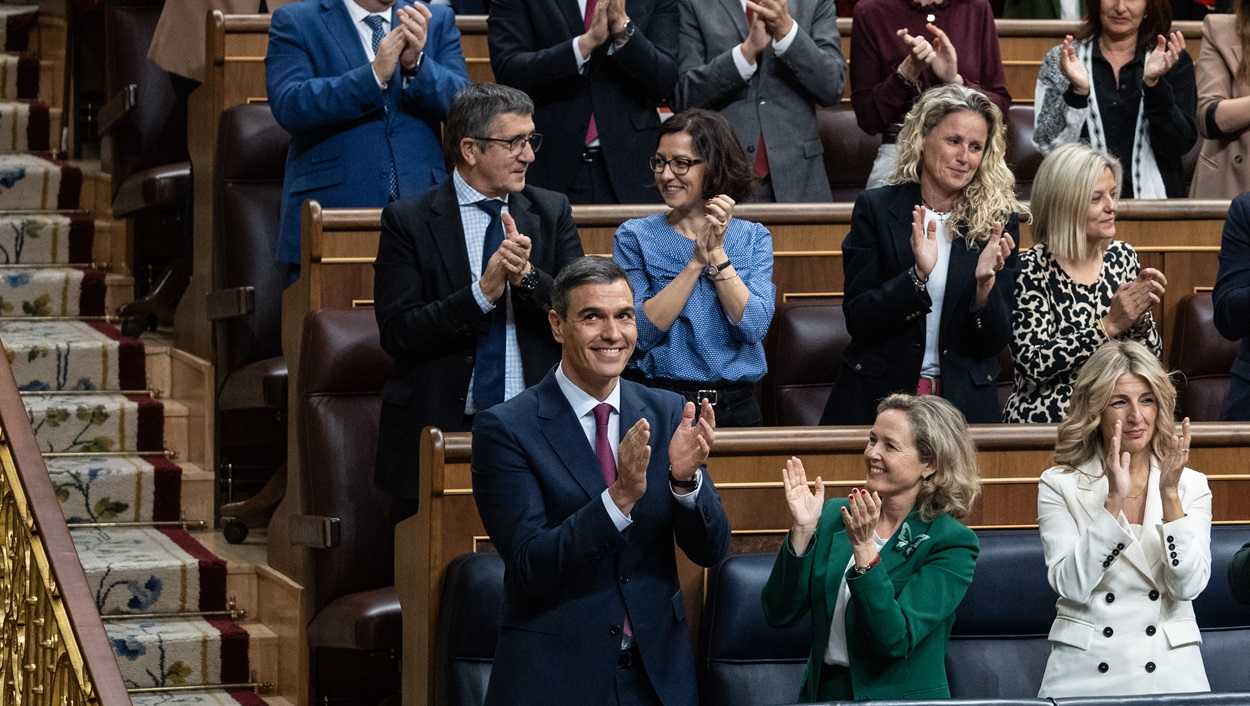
{"x":633,"y":457}
{"x":939,"y":55}
{"x":1116,"y":468}
{"x":617,"y":19}
{"x":757,"y":39}
{"x":1163,"y":57}
{"x":1175,"y":458}
{"x":387,"y":56}
{"x":711,"y":241}
{"x":805,"y":506}
{"x":516,"y":249}
{"x":1133,"y":299}
{"x":1072,"y":68}
{"x":692,"y":441}
{"x":415,"y":23}
{"x":924,"y":245}
{"x":776,"y":16}
{"x":992,"y":259}
{"x":860,"y":516}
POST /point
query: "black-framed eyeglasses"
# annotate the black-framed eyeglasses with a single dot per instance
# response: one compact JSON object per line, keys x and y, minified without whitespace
{"x":516,"y":144}
{"x":679,"y":165}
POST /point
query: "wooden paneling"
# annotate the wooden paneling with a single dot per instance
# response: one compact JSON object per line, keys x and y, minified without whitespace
{"x":746,"y":467}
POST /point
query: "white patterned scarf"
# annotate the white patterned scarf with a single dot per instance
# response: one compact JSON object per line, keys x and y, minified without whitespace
{"x":1147,"y":181}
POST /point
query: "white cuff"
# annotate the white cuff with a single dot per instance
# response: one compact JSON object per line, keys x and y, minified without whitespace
{"x":781,"y":45}
{"x":745,"y":68}
{"x":687,"y":500}
{"x":620,"y":519}
{"x":483,"y":303}
{"x":577,"y":54}
{"x":381,"y":84}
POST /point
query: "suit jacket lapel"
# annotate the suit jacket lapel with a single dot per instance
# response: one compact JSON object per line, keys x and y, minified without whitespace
{"x":914,"y":530}
{"x":339,"y":25}
{"x":959,"y":273}
{"x":906,"y":197}
{"x":448,"y":234}
{"x":573,"y":16}
{"x":736,"y":15}
{"x":839,"y":554}
{"x":564,"y":433}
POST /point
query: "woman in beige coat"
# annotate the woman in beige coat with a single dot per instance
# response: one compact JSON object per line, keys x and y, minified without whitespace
{"x":1223,"y":76}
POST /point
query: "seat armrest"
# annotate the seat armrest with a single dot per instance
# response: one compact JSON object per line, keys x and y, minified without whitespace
{"x":231,"y":303}
{"x":273,"y":389}
{"x":314,"y":531}
{"x":117,"y":108}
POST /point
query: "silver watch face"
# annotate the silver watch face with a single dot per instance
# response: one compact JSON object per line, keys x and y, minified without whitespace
{"x":711,"y":271}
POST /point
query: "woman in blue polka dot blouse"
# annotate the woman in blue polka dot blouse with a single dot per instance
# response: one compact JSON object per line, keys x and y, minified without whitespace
{"x":702,"y":279}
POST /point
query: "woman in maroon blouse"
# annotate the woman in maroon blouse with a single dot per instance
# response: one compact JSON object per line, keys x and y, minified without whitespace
{"x":904,"y":47}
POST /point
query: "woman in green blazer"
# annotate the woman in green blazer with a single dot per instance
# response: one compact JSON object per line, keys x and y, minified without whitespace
{"x":882,"y":609}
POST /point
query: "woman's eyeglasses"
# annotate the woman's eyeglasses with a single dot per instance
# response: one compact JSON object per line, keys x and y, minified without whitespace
{"x":679,"y":165}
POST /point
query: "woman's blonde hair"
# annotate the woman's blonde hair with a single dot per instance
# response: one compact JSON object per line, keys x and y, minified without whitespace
{"x":940,"y":434}
{"x":1061,"y":193}
{"x":990,"y":197}
{"x":1079,"y":437}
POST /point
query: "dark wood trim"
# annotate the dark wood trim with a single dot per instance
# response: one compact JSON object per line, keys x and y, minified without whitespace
{"x":52,"y":533}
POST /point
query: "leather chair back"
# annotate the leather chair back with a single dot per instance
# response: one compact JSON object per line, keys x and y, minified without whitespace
{"x":743,"y":660}
{"x":155,"y":132}
{"x":1023,"y":157}
{"x":251,"y":159}
{"x":468,"y":625}
{"x":849,"y":151}
{"x":1202,"y":357}
{"x":342,"y":368}
{"x":998,"y":648}
{"x":804,"y":351}
{"x":1225,"y":623}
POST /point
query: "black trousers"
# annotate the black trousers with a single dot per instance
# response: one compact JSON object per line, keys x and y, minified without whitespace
{"x":592,"y":185}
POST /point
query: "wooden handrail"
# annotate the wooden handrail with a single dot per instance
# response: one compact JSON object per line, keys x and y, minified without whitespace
{"x":62,"y":622}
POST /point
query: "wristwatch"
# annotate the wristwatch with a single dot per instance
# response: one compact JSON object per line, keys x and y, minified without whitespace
{"x":686,"y":485}
{"x":626,"y":33}
{"x":713,"y":270}
{"x":529,"y":280}
{"x":861,"y":570}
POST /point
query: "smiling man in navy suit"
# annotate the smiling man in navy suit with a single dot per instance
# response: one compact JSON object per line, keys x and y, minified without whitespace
{"x":362,"y":86}
{"x":583,"y":481}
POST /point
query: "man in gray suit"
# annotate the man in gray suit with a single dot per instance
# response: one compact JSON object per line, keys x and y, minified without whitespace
{"x":766,"y":65}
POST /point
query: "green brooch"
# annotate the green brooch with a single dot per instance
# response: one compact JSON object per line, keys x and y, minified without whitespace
{"x":906,"y":544}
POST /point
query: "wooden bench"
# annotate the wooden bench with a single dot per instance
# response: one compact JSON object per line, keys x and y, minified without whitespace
{"x":746,"y":467}
{"x":1179,"y":237}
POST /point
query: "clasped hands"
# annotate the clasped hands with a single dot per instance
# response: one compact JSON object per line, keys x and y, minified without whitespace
{"x":939,"y":56}
{"x":608,"y":22}
{"x":687,"y":450}
{"x":709,"y":241}
{"x":1133,"y":299}
{"x":403,"y":44}
{"x":770,"y":22}
{"x":860,"y":515}
{"x":509,"y":263}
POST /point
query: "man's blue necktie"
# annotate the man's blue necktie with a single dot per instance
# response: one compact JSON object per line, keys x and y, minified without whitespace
{"x":488,"y":370}
{"x":378,"y":25}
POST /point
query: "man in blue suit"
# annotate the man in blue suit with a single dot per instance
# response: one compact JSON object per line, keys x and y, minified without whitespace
{"x":1231,"y":299}
{"x":362,"y":86}
{"x":583,"y":481}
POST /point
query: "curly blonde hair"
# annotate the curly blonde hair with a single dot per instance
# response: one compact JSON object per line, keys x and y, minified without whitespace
{"x":940,"y":434}
{"x":1079,"y":437}
{"x":990,"y":198}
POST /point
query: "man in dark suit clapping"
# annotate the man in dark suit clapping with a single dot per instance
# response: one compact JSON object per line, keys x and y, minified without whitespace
{"x":462,"y":281}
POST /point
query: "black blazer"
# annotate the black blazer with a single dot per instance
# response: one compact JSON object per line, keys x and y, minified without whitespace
{"x":570,"y":575}
{"x":885,"y":316}
{"x":1232,"y":304}
{"x":531,"y":48}
{"x":429,"y":321}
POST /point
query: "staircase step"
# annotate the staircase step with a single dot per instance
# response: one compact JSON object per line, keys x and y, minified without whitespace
{"x":215,"y":697}
{"x":34,"y":238}
{"x":149,"y":570}
{"x":94,"y":423}
{"x":51,"y":291}
{"x":72,"y":355}
{"x":186,"y":651}
{"x":118,"y":488}
{"x":29,"y":126}
{"x":35,"y":182}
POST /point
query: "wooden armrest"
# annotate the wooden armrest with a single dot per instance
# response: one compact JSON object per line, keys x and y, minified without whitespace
{"x":231,"y":303}
{"x":117,"y":108}
{"x":314,"y":531}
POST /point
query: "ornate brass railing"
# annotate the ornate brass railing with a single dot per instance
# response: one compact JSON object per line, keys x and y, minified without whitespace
{"x":53,"y":648}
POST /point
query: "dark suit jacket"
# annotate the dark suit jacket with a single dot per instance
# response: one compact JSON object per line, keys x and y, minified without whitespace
{"x":885,"y":316}
{"x":1232,"y":303}
{"x":570,"y":575}
{"x":322,"y":90}
{"x":531,"y":49}
{"x":430,"y":322}
{"x":1239,"y":574}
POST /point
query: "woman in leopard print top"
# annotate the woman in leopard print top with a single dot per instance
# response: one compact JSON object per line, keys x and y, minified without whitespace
{"x":1078,"y":286}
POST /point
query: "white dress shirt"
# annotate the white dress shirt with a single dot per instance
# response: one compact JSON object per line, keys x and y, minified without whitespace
{"x":583,"y":404}
{"x":932,"y":365}
{"x":474,"y":222}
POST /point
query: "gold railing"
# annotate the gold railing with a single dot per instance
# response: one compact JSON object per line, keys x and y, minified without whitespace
{"x":53,"y":648}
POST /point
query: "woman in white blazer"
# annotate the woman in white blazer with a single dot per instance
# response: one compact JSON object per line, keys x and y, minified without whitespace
{"x":1126,"y":529}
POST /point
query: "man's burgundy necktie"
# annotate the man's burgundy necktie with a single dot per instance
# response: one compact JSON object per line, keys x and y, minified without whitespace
{"x":607,"y":462}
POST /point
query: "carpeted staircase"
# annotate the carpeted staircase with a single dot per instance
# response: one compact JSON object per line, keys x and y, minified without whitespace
{"x":105,"y":436}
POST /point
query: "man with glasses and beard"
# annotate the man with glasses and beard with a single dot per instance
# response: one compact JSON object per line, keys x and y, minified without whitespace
{"x":462,"y":282}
